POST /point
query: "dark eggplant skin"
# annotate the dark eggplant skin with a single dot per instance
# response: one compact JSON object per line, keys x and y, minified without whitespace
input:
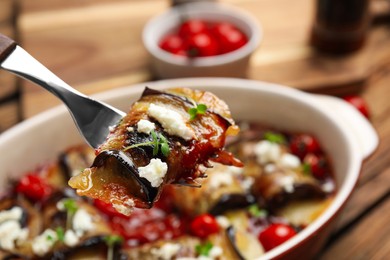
{"x":232,"y":201}
{"x":231,"y":236}
{"x":128,"y":169}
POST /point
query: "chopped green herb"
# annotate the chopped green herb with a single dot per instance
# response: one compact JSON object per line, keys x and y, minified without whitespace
{"x":256,"y":211}
{"x":111,"y":241}
{"x":60,"y":234}
{"x":204,"y":249}
{"x":70,"y":205}
{"x":200,"y":109}
{"x":306,"y":168}
{"x":50,"y":238}
{"x":159,"y":143}
{"x":275,"y":137}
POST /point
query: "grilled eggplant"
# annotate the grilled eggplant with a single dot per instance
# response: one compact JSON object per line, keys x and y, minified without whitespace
{"x":157,"y":143}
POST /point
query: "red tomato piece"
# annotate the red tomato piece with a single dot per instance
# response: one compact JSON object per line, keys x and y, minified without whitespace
{"x":148,"y":225}
{"x":302,"y":144}
{"x":275,"y":234}
{"x":192,"y":27}
{"x":204,"y":225}
{"x":229,"y":37}
{"x":359,"y":104}
{"x":318,"y":165}
{"x":202,"y":45}
{"x":34,"y":187}
{"x":107,"y":208}
{"x":173,"y":44}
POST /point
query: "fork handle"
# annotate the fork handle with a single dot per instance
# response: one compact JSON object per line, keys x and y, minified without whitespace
{"x":7,"y":45}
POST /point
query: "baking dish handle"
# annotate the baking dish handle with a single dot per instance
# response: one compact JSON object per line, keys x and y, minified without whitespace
{"x":350,"y":117}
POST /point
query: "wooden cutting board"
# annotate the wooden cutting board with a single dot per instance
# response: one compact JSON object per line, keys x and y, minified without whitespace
{"x":96,"y":45}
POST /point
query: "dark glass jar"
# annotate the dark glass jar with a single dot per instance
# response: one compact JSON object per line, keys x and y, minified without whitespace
{"x":340,"y":26}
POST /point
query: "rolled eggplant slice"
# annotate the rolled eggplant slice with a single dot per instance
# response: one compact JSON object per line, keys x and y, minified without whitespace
{"x":157,"y":143}
{"x":281,"y":186}
{"x":224,"y":189}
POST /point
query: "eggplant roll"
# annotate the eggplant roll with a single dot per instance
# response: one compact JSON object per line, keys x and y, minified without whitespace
{"x":166,"y":138}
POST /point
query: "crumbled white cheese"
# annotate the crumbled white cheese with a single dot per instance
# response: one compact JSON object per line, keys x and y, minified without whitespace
{"x":270,"y":168}
{"x":172,"y":122}
{"x":223,"y":221}
{"x":215,"y":252}
{"x":289,"y":161}
{"x":235,"y":170}
{"x":145,"y":126}
{"x":154,"y":172}
{"x":71,"y":238}
{"x":11,"y":232}
{"x":14,"y":213}
{"x":267,"y":152}
{"x":328,"y":187}
{"x":167,"y":251}
{"x":219,"y":179}
{"x":82,"y":221}
{"x":130,"y":129}
{"x":44,"y":242}
{"x":247,"y":183}
{"x":288,"y":183}
{"x":126,"y":208}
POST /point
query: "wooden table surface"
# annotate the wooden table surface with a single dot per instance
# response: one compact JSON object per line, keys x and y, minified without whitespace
{"x":96,"y":45}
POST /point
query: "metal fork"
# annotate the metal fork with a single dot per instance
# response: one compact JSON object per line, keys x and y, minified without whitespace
{"x":92,"y":118}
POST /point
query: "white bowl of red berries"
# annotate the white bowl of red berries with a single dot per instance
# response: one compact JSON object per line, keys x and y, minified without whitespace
{"x":201,"y":39}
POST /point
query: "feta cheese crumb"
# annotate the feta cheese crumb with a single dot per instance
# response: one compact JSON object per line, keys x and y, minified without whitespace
{"x":82,"y":221}
{"x":71,"y":239}
{"x":11,"y":232}
{"x":288,"y":183}
{"x":167,"y":251}
{"x":130,"y":129}
{"x":126,"y":208}
{"x":145,"y":126}
{"x":219,"y":179}
{"x":215,"y":252}
{"x":42,"y":243}
{"x":14,"y":213}
{"x":270,"y":168}
{"x":247,"y":183}
{"x":267,"y":152}
{"x":290,"y":161}
{"x":328,"y":187}
{"x":223,"y":222}
{"x":154,"y":172}
{"x":171,"y":121}
{"x":235,"y":170}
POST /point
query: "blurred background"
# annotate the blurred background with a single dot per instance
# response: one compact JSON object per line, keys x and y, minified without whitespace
{"x":95,"y":45}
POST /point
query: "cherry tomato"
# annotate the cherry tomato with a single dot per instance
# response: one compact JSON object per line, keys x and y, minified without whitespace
{"x":107,"y":208}
{"x":229,"y":37}
{"x":173,"y":44}
{"x":318,"y":165}
{"x":34,"y":187}
{"x":202,"y":45}
{"x":359,"y":104}
{"x":192,"y":27}
{"x":204,"y":225}
{"x":302,"y":144}
{"x":275,"y":234}
{"x":148,"y":225}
